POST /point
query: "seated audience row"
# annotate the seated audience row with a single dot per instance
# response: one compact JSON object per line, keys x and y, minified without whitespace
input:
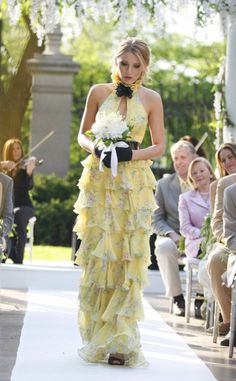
{"x":182,"y":210}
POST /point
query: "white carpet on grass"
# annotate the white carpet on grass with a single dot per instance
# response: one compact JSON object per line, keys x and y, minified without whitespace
{"x":50,"y":338}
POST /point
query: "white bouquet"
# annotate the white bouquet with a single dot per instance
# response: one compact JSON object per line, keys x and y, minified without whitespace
{"x":110,"y":129}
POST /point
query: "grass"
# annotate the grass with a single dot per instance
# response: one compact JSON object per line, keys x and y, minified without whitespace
{"x":49,"y":253}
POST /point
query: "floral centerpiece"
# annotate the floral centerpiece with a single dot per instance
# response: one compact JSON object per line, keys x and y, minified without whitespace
{"x":109,"y":131}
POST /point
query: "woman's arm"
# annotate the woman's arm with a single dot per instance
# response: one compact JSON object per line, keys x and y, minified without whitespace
{"x":8,"y":165}
{"x":153,"y":104}
{"x":88,"y":119}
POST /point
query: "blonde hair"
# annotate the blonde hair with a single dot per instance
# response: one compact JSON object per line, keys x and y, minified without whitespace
{"x":232,"y":148}
{"x":136,"y":46}
{"x":199,"y":159}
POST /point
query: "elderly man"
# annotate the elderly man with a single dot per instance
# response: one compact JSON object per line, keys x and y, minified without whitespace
{"x":6,"y":204}
{"x":165,"y":221}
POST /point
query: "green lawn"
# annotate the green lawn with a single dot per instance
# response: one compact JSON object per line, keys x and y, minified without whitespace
{"x":49,"y":253}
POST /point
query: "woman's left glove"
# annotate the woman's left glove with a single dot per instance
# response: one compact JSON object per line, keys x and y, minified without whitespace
{"x":124,"y":153}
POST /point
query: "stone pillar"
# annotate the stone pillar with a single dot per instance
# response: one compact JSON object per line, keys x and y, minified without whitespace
{"x":52,"y":74}
{"x":230,"y":78}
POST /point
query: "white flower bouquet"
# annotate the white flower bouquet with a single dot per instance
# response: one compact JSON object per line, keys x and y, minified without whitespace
{"x":109,"y":128}
{"x":109,"y":131}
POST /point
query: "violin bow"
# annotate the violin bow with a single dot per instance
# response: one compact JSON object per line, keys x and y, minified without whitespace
{"x":201,"y":141}
{"x":36,"y":146}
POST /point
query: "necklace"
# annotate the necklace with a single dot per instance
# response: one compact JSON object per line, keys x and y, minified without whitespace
{"x":122,"y":89}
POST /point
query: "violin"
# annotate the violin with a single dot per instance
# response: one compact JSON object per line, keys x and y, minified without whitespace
{"x":11,"y":168}
{"x":24,"y":163}
{"x":25,"y":160}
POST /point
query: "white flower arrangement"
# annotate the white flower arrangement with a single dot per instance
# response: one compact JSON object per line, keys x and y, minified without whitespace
{"x":109,"y":128}
{"x":221,"y":115}
{"x":110,"y":131}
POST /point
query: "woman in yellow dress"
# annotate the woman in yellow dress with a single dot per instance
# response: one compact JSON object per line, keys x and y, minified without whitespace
{"x":114,"y":212}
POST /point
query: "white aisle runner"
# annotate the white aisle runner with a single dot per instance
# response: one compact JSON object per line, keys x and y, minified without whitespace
{"x":50,"y":338}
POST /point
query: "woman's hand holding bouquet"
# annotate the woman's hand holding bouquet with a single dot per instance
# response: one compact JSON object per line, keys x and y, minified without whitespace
{"x":110,"y":131}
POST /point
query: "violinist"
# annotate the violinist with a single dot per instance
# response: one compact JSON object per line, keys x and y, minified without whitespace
{"x":21,"y":171}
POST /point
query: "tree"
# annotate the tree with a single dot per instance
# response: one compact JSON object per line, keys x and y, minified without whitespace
{"x":15,"y":77}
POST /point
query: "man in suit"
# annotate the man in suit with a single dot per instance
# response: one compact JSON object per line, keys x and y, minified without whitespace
{"x":6,"y":204}
{"x":165,"y":221}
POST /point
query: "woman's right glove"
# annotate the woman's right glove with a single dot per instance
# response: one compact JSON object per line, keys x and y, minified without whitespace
{"x":123,"y":154}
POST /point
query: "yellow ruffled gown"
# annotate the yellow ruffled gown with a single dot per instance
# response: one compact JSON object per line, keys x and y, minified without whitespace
{"x":114,"y":220}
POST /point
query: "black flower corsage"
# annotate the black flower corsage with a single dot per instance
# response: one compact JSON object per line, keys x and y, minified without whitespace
{"x":121,"y":90}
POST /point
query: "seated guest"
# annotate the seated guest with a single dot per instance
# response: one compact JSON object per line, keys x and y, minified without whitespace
{"x":226,"y":165}
{"x":229,"y":233}
{"x":218,"y":255}
{"x":165,"y":221}
{"x":194,"y":205}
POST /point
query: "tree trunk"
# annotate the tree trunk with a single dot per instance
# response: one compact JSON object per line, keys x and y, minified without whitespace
{"x":13,"y":103}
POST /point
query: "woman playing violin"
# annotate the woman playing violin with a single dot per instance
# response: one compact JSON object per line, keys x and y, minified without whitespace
{"x":21,"y":172}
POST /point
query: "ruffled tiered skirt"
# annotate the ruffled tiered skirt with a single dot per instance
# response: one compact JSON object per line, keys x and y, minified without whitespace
{"x":113,"y":223}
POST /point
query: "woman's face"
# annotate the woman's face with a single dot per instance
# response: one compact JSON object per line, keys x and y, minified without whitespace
{"x":228,"y":160}
{"x":129,"y":68}
{"x":201,"y":176}
{"x":16,"y":152}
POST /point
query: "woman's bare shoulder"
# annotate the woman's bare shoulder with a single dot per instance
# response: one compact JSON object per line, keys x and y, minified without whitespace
{"x":150,"y":99}
{"x":102,"y":88}
{"x":100,"y":92}
{"x":150,"y":95}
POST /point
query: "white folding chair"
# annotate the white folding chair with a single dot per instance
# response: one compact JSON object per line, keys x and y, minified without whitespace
{"x":191,"y":268}
{"x":30,"y":237}
{"x":232,"y":319}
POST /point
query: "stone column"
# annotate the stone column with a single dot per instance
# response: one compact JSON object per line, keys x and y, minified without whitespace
{"x":51,"y":105}
{"x":230,"y":78}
